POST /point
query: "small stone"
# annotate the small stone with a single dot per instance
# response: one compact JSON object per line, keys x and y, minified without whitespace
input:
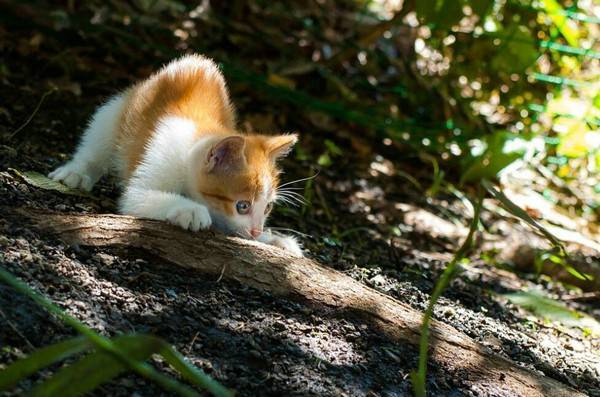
{"x":378,"y":280}
{"x":449,"y":312}
{"x":255,"y":353}
{"x":104,"y":258}
{"x":575,"y":345}
{"x":392,"y":355}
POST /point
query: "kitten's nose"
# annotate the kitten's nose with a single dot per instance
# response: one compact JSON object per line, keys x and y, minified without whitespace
{"x":255,"y":232}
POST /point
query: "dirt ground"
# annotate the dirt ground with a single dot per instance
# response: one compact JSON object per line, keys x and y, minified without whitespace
{"x":246,"y":339}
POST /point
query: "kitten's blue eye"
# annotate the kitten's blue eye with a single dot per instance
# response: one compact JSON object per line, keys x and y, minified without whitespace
{"x":243,"y":207}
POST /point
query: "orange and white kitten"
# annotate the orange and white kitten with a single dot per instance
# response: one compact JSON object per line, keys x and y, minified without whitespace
{"x":172,"y":140}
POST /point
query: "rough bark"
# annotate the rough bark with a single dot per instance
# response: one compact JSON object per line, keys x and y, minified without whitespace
{"x":271,"y":269}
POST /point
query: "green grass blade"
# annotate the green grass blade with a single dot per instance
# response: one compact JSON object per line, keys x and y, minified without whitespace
{"x":418,"y":377}
{"x":39,"y":359}
{"x":193,"y":374}
{"x":518,"y":212}
{"x":101,"y":342}
{"x":96,"y":368}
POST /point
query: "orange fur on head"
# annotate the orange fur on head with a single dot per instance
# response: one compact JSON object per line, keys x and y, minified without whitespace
{"x":246,"y":173}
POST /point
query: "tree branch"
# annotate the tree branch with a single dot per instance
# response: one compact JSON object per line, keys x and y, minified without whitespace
{"x":271,"y":269}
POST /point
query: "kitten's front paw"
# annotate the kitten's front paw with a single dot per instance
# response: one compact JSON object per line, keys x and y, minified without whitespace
{"x":73,"y":176}
{"x":290,"y":244}
{"x":190,"y":216}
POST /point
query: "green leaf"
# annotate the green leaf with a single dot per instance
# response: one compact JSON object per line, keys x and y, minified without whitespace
{"x":577,"y":274}
{"x":562,"y":261}
{"x":574,"y":141}
{"x":39,"y":359}
{"x":556,"y":13}
{"x":441,"y":14}
{"x":426,"y":9}
{"x":43,"y":182}
{"x":518,"y":50}
{"x":450,"y":14}
{"x":549,"y":309}
{"x":97,"y":368}
{"x":597,"y":101}
{"x":502,"y":149}
{"x":481,"y":7}
{"x":333,"y":148}
{"x":324,"y":160}
{"x":438,"y":175}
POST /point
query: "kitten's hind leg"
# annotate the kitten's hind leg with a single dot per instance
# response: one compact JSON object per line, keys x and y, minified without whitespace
{"x":93,"y":155}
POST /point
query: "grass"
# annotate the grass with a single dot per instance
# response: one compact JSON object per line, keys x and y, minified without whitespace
{"x":419,"y":376}
{"x":110,"y":359}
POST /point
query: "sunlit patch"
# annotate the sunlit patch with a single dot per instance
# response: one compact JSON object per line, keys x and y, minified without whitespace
{"x":383,"y":166}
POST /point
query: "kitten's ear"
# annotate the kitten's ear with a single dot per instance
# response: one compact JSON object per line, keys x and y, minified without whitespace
{"x":227,"y":154}
{"x":281,"y":145}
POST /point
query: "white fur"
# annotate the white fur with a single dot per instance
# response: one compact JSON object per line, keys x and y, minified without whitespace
{"x":172,"y":207}
{"x":287,"y":243}
{"x":190,"y":63}
{"x":92,"y":158}
{"x":156,"y":187}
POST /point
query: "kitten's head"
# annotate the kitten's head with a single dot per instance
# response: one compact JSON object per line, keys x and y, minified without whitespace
{"x":237,"y":178}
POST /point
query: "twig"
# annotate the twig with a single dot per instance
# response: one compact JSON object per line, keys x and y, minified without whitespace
{"x":15,"y":132}
{"x":191,"y":344}
{"x":585,"y":296}
{"x":222,"y":273}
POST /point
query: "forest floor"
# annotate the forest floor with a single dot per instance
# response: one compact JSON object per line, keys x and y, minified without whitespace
{"x":366,"y":220}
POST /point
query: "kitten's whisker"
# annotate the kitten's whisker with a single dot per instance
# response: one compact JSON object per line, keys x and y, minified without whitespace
{"x":295,"y":194}
{"x":287,"y":191}
{"x":290,"y":230}
{"x":239,"y":234}
{"x":290,"y":188}
{"x":296,"y":197}
{"x":299,"y":180}
{"x":291,"y":199}
{"x":285,"y":200}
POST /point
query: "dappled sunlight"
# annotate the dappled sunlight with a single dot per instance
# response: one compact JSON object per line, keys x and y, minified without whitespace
{"x":405,"y":112}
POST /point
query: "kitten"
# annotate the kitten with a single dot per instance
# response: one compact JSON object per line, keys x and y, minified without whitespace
{"x":173,"y":142}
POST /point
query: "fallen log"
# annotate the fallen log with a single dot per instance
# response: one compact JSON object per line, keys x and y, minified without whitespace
{"x":271,"y":269}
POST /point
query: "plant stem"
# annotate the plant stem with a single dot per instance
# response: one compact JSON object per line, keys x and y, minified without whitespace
{"x":418,"y":378}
